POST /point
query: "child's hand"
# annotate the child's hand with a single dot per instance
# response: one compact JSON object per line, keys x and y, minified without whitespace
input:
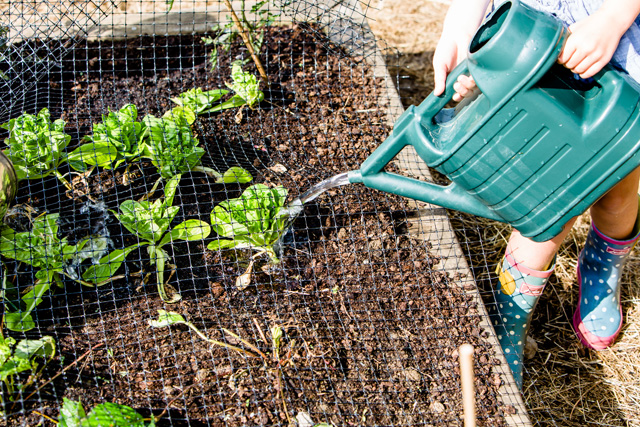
{"x":591,"y":44}
{"x":460,"y":24}
{"x":448,"y":54}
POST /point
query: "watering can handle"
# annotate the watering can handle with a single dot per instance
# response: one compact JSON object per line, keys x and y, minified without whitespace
{"x":433,"y":104}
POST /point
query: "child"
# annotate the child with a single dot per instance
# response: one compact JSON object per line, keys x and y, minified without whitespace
{"x":600,"y":32}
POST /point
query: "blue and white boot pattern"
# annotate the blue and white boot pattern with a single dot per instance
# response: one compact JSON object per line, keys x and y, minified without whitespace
{"x":516,"y":295}
{"x":598,"y":317}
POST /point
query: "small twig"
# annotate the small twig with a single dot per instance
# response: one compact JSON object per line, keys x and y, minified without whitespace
{"x":45,"y":416}
{"x":219,"y":343}
{"x":247,"y":343}
{"x":63,"y":371}
{"x":284,"y":404}
{"x":247,"y":41}
{"x":264,"y":339}
{"x":156,"y":418}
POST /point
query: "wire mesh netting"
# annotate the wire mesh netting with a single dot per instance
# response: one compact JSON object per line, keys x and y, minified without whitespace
{"x":146,"y":272}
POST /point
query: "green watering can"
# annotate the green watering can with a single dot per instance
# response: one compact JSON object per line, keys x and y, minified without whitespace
{"x":536,"y":148}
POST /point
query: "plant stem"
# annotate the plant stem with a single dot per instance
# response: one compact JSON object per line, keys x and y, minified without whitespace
{"x":222,"y":344}
{"x":210,"y":172}
{"x":61,"y":372}
{"x":63,"y":180}
{"x":247,"y":42}
{"x":245,"y":342}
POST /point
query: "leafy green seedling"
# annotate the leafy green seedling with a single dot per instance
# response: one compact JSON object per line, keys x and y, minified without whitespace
{"x":42,"y":249}
{"x":198,"y":100}
{"x":118,"y":139}
{"x":72,"y":414}
{"x":151,"y":223}
{"x":169,"y":318}
{"x":36,"y":145}
{"x":173,"y":148}
{"x":245,"y":85}
{"x":22,"y":357}
{"x":254,"y":221}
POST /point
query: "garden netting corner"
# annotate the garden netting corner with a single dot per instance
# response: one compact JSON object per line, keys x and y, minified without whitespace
{"x":146,"y":274}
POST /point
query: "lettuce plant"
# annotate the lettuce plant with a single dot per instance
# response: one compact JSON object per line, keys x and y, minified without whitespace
{"x":73,"y":414}
{"x":255,"y":221}
{"x":118,"y":139}
{"x":42,"y":249}
{"x":245,"y":85}
{"x":198,"y":100}
{"x":171,"y":145}
{"x":22,"y":356}
{"x":36,"y":146}
{"x":151,"y":223}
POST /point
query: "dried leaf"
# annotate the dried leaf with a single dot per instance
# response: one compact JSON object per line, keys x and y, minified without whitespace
{"x":244,"y":280}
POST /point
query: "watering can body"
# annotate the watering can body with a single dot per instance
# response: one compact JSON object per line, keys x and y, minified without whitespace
{"x":536,"y":147}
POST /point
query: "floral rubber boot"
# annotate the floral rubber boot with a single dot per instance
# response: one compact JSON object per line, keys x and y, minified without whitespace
{"x":598,"y":317}
{"x":516,"y":295}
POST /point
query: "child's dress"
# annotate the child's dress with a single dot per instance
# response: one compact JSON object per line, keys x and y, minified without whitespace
{"x":627,"y":56}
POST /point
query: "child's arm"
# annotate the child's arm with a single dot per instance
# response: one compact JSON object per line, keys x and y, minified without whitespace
{"x":594,"y":39}
{"x":460,"y":24}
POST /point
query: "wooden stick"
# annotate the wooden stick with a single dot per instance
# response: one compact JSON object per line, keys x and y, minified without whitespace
{"x":247,"y":41}
{"x":465,"y":352}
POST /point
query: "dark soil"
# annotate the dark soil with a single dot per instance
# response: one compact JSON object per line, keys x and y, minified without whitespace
{"x":371,"y":325}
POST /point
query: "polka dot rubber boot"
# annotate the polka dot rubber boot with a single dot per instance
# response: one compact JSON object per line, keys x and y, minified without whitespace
{"x":516,"y":295}
{"x":598,"y":317}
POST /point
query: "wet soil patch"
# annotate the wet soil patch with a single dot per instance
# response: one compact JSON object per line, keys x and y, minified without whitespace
{"x":370,"y":324}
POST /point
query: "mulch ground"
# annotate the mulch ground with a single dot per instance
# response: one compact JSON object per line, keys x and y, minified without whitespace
{"x":371,"y":326}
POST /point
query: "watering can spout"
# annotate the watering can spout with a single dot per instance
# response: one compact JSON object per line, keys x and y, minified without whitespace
{"x":449,"y":196}
{"x":355,"y":177}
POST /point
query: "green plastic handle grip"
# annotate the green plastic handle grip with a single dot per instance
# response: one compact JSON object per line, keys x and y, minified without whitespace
{"x":432,"y":105}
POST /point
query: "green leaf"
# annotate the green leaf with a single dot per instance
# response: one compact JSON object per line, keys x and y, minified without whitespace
{"x":236,"y":174}
{"x":198,"y":100}
{"x":251,"y":220}
{"x":107,"y":414}
{"x":44,"y":347}
{"x":167,"y":318}
{"x":35,"y":144}
{"x":71,"y":413}
{"x":19,"y":322}
{"x":224,"y":244}
{"x":245,"y":85}
{"x":102,"y":154}
{"x":113,"y":415}
{"x":170,"y":189}
{"x":235,"y":101}
{"x":192,"y":229}
{"x":182,"y":114}
{"x":107,"y":266}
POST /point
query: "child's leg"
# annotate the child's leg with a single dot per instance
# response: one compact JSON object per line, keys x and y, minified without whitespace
{"x":615,"y":230}
{"x":523,"y":274}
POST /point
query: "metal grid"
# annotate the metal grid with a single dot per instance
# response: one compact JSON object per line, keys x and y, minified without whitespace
{"x":373,"y":294}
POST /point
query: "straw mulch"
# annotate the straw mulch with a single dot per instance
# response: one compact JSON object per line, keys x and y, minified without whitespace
{"x":565,"y":384}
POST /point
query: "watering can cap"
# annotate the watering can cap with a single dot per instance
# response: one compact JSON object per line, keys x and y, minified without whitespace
{"x":515,"y":44}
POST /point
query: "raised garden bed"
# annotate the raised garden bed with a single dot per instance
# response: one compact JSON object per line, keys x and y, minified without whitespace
{"x":371,"y":325}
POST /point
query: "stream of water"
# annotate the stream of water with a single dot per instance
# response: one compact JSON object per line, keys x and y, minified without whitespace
{"x":295,"y":207}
